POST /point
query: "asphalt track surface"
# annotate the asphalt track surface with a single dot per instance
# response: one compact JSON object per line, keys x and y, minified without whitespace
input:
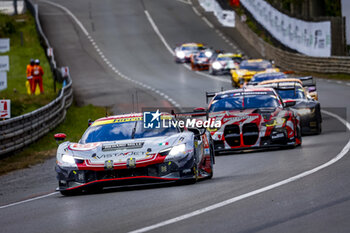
{"x":318,"y":202}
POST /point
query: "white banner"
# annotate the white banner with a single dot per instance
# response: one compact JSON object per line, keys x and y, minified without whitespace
{"x":5,"y":108}
{"x":3,"y":80}
{"x":4,"y":45}
{"x":310,"y":38}
{"x":225,"y":17}
{"x":4,"y":63}
{"x":208,"y":5}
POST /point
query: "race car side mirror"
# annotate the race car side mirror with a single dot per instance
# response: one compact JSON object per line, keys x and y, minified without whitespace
{"x":289,"y":104}
{"x":90,"y":122}
{"x":60,"y":137}
{"x":197,"y":132}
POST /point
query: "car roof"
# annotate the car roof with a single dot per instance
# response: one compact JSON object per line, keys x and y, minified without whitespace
{"x":230,"y":55}
{"x":192,"y":44}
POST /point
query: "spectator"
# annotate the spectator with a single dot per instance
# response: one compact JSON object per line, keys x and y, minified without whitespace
{"x":29,"y":76}
{"x":37,"y":73}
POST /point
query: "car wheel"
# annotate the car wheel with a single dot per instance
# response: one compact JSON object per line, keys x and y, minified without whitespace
{"x":319,"y":127}
{"x":193,"y":66}
{"x":234,"y":84}
{"x":211,"y":71}
{"x":212,"y":169}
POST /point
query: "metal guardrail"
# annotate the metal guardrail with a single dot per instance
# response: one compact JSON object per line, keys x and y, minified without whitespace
{"x":18,"y":132}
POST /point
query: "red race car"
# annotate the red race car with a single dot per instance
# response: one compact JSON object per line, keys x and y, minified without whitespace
{"x":252,"y":118}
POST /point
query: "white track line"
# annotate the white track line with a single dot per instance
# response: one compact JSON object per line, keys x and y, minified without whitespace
{"x":217,"y":30}
{"x":155,"y":28}
{"x":28,"y":200}
{"x":161,"y":94}
{"x":207,"y":22}
{"x":229,"y":201}
{"x":344,"y":151}
{"x":196,"y":11}
{"x":186,"y":2}
{"x":71,"y":15}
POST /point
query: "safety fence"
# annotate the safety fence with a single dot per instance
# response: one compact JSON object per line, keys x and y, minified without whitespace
{"x":18,"y":132}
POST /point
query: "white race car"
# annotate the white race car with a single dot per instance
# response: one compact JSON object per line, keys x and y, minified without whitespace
{"x":120,"y":150}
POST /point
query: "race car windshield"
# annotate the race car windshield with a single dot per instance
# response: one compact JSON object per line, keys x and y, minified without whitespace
{"x":224,"y":59}
{"x":201,"y":55}
{"x":255,"y":66}
{"x":190,"y":48}
{"x":250,"y":102}
{"x":291,"y":93}
{"x":124,"y":131}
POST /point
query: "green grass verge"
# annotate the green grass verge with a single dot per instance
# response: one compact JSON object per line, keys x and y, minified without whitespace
{"x":24,"y":44}
{"x":74,"y":126}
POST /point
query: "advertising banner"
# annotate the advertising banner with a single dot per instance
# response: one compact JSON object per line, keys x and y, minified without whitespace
{"x":5,"y":108}
{"x":4,"y":63}
{"x":309,"y":38}
{"x":225,"y":17}
{"x":3,"y":80}
{"x":4,"y":45}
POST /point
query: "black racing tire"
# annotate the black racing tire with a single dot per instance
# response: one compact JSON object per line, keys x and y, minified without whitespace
{"x":211,"y":172}
{"x":299,"y":136}
{"x":69,"y":192}
{"x":195,"y":173}
{"x":211,"y":71}
{"x":193,"y":66}
{"x":318,"y":127}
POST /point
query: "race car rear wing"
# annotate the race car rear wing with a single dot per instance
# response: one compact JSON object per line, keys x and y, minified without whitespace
{"x":308,"y":82}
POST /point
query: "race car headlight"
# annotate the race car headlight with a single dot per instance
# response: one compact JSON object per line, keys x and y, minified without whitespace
{"x":208,"y":53}
{"x":216,"y":65}
{"x":68,"y":159}
{"x":304,"y":111}
{"x":178,"y":149}
{"x":278,"y":122}
{"x":180,"y":54}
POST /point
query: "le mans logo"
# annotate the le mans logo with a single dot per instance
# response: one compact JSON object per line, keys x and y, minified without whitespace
{"x":151,"y":119}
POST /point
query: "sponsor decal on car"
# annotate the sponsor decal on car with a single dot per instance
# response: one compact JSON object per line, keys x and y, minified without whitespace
{"x":119,"y":146}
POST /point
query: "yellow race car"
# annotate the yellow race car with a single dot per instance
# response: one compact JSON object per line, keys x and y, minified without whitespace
{"x":248,"y":68}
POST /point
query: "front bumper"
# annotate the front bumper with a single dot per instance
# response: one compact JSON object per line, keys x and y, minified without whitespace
{"x":72,"y":178}
{"x":222,"y":71}
{"x":183,"y":60}
{"x":277,"y":140}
